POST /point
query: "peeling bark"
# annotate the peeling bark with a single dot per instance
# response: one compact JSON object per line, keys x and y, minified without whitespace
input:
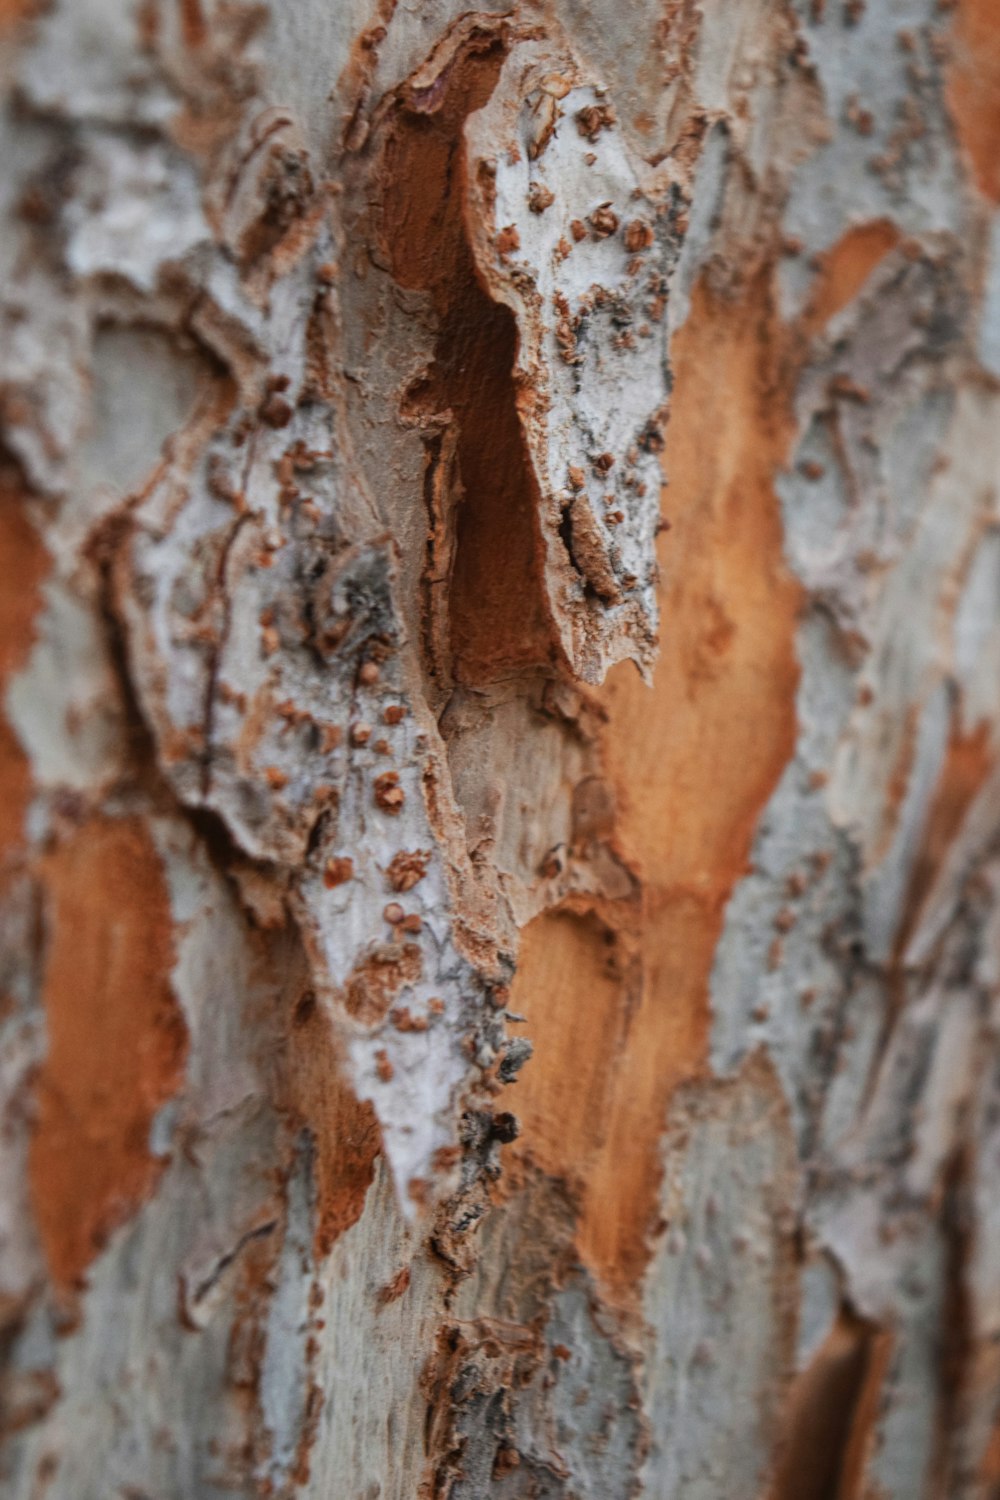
{"x":500,"y":833}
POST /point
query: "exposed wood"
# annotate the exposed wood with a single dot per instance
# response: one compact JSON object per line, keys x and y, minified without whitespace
{"x":499,"y":777}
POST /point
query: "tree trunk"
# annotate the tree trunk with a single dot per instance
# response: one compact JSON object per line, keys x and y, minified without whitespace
{"x":501,"y":540}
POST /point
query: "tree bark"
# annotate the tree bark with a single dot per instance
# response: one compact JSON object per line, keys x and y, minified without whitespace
{"x":500,"y":834}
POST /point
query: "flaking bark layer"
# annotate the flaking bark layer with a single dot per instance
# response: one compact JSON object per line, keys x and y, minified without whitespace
{"x":438,"y":1059}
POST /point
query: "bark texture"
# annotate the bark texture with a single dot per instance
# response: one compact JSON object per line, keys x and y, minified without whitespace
{"x":500,"y":546}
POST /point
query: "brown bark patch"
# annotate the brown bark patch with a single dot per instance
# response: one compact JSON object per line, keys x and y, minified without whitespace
{"x":23,"y":565}
{"x":694,"y":761}
{"x":13,"y":11}
{"x":967,"y":764}
{"x":666,"y":1045}
{"x":973,"y":90}
{"x":903,"y":729}
{"x":379,"y":978}
{"x":989,"y":1468}
{"x":865,"y":1415}
{"x":831,"y":1410}
{"x":344,"y":1129}
{"x":845,"y":268}
{"x":570,"y":988}
{"x":116,"y":1038}
{"x":498,"y":619}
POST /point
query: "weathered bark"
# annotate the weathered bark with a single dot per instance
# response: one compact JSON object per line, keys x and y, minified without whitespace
{"x":381,"y":386}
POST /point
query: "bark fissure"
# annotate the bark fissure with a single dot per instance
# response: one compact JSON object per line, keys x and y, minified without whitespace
{"x":486,"y":498}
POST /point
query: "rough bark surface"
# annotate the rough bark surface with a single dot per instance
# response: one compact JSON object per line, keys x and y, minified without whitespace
{"x":500,"y":545}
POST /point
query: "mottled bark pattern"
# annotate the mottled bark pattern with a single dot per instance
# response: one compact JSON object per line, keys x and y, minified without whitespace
{"x":499,"y":779}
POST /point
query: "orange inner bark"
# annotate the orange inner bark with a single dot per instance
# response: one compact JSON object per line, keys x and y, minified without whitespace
{"x":845,"y":268}
{"x":344,"y":1129}
{"x":116,"y":1039}
{"x":832,"y":1413}
{"x":974,"y":89}
{"x":969,"y":760}
{"x":693,"y":762}
{"x":22,"y":557}
{"x":498,"y":623}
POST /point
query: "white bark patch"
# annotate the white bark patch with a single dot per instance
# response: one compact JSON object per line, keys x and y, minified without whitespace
{"x":135,"y":210}
{"x":265,"y":641}
{"x":565,"y":235}
{"x":269,"y":658}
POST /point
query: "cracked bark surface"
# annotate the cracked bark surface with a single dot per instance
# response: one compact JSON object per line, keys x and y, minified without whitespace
{"x":499,"y":792}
